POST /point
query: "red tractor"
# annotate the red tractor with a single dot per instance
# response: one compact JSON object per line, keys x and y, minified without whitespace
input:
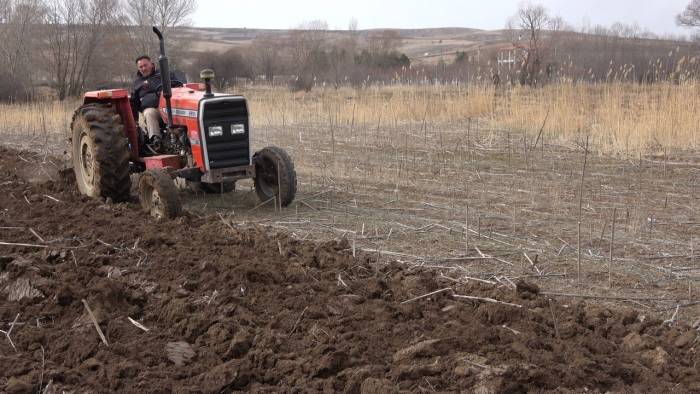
{"x":206,"y":141}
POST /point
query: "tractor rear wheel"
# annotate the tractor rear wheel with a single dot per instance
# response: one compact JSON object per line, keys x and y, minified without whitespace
{"x":275,"y":175}
{"x":158,"y":194}
{"x":100,"y":153}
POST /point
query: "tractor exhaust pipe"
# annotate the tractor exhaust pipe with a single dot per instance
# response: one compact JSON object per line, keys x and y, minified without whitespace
{"x":207,"y":75}
{"x":165,"y":76}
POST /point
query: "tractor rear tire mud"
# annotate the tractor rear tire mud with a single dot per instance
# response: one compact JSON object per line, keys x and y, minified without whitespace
{"x":275,"y":175}
{"x":100,"y":153}
{"x":158,"y":194}
{"x":212,"y":188}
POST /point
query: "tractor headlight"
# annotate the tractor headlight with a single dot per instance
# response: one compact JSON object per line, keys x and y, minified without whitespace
{"x":216,"y":131}
{"x":237,"y":128}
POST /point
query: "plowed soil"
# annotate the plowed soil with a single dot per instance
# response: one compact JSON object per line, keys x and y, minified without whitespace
{"x":245,"y":309}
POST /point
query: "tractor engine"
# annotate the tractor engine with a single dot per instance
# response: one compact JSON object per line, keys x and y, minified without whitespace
{"x":175,"y":142}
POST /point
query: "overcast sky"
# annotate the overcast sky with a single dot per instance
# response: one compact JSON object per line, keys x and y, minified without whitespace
{"x":657,"y":15}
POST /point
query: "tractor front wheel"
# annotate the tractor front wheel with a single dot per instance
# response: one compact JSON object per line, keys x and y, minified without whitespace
{"x":100,"y":153}
{"x":275,"y":176}
{"x":158,"y":194}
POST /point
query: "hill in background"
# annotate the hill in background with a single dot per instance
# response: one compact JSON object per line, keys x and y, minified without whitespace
{"x":428,"y":46}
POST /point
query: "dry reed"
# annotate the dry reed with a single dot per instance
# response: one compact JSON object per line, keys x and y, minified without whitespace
{"x":620,"y":118}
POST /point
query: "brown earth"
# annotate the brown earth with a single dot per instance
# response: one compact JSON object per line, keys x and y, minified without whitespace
{"x":244,"y":309}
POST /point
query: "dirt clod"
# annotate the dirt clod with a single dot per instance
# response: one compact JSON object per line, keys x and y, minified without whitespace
{"x":423,"y":349}
{"x":22,"y":288}
{"x":18,"y":386}
{"x":180,"y":353}
{"x":224,"y":311}
{"x":527,"y":290}
{"x":686,"y":339}
{"x":378,"y":386}
{"x":655,"y":359}
{"x":632,"y":342}
{"x":331,"y":364}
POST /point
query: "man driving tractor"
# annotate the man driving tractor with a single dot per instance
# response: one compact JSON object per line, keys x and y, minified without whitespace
{"x":145,"y":98}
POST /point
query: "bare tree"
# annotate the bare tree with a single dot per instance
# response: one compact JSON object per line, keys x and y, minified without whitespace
{"x":5,"y":11}
{"x":307,"y":44}
{"x":341,"y":54}
{"x":138,"y":16}
{"x":690,"y":17}
{"x":165,"y":14}
{"x":340,"y":58}
{"x":384,"y":41}
{"x":18,"y":19}
{"x":530,"y":22}
{"x":266,"y":54}
{"x":228,"y":66}
{"x":353,"y":24}
{"x":74,"y":31}
{"x":557,"y":23}
{"x":171,"y":13}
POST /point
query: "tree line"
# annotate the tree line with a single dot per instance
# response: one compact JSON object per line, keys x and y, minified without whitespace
{"x":60,"y":48}
{"x":543,"y":48}
{"x":63,"y":46}
{"x":310,"y":55}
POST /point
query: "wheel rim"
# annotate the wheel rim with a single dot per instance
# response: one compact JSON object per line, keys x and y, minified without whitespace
{"x":87,"y":162}
{"x":267,"y":178}
{"x":151,"y":199}
{"x":157,"y":206}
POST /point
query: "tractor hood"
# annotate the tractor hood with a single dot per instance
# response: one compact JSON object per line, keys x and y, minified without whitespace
{"x":218,"y":127}
{"x":186,"y":101}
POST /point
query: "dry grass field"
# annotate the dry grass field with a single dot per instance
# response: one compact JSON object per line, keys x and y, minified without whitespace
{"x":620,"y":119}
{"x":481,"y":185}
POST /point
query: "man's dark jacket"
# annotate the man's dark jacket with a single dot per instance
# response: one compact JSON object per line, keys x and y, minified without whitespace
{"x":146,"y":93}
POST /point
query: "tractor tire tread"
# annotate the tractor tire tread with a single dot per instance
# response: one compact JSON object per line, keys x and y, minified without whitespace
{"x":161,"y":181}
{"x":288,"y":181}
{"x":112,"y":154}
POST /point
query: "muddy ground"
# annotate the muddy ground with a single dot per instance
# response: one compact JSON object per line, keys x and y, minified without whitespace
{"x":231,"y":309}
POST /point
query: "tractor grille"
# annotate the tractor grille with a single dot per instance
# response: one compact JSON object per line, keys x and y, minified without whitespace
{"x":227,"y":150}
